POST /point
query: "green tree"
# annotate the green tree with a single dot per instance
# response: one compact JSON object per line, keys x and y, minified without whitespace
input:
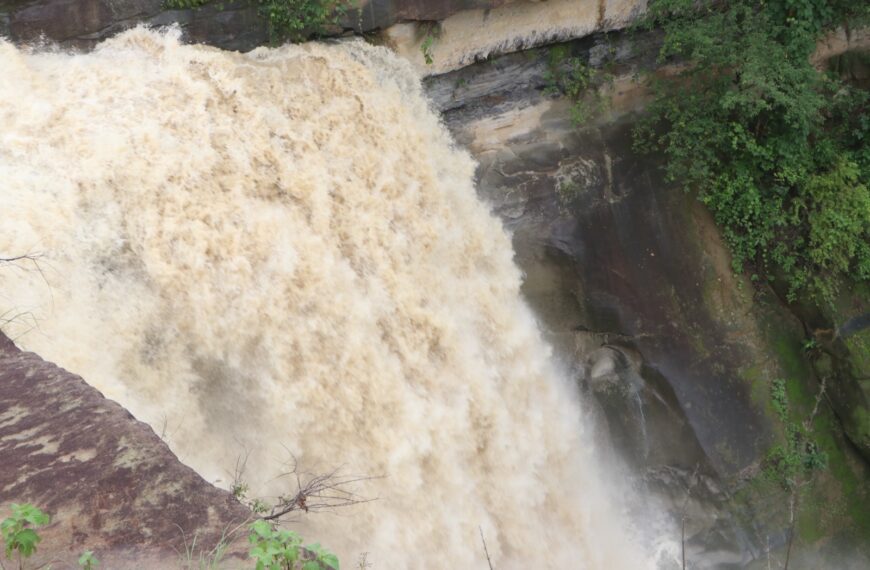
{"x":775,"y":148}
{"x":287,"y":20}
{"x":18,"y":531}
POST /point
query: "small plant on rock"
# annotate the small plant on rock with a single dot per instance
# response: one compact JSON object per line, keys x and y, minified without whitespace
{"x":87,"y":561}
{"x":275,"y":549}
{"x":581,"y":83}
{"x":18,"y":531}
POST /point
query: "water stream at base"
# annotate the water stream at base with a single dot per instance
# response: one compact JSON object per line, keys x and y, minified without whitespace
{"x":282,"y":251}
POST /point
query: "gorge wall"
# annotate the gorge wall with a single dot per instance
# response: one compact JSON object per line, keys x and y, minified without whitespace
{"x":110,"y":483}
{"x":630,"y":280}
{"x":634,"y":285}
{"x":461,"y":31}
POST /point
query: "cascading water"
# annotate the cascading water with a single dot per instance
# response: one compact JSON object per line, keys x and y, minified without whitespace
{"x":283,"y":250}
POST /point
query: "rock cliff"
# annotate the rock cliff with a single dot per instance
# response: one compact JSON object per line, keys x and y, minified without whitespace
{"x":631,"y":281}
{"x":110,"y":484}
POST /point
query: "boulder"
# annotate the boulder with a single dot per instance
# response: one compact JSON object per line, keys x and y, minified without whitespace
{"x":110,"y":484}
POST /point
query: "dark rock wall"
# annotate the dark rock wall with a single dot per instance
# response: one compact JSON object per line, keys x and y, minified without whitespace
{"x":228,"y":24}
{"x":633,"y":284}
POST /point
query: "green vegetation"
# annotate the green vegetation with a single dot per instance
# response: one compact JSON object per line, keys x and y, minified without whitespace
{"x":275,"y":549}
{"x":809,"y":479}
{"x":272,"y":549}
{"x":573,"y":78}
{"x":779,"y":399}
{"x":299,"y":20}
{"x":432,"y":31}
{"x":20,"y":537}
{"x":288,"y":20}
{"x":792,"y":463}
{"x":775,"y":148}
{"x":88,"y":561}
{"x":19,"y":531}
{"x":240,"y":489}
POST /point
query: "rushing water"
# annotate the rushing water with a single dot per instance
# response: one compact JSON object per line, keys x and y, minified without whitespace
{"x":282,"y":251}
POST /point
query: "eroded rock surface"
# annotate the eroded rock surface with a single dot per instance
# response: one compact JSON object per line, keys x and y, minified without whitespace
{"x":109,"y":482}
{"x":455,"y":32}
{"x":229,"y":24}
{"x":633,"y":285}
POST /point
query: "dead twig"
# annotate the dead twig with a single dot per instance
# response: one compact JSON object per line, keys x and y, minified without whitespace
{"x":363,"y":562}
{"x":317,"y":493}
{"x":692,"y":482}
{"x":808,"y":425}
{"x":485,"y":549}
{"x":793,"y":506}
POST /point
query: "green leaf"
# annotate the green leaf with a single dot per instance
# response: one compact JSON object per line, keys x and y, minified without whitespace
{"x":25,"y":541}
{"x":330,"y":560}
{"x":88,"y":561}
{"x":262,"y":529}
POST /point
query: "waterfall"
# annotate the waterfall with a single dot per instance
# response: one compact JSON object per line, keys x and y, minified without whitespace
{"x":281,"y":252}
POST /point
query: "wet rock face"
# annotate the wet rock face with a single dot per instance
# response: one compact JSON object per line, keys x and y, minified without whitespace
{"x":228,"y":24}
{"x":108,"y":481}
{"x":615,"y":259}
{"x":374,"y":14}
{"x":633,"y":286}
{"x":233,"y":24}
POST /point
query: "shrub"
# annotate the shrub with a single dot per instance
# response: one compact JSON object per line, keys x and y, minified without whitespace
{"x":293,"y":20}
{"x":18,"y":531}
{"x":298,"y":20}
{"x":275,"y":549}
{"x":581,"y":83}
{"x":776,"y":149}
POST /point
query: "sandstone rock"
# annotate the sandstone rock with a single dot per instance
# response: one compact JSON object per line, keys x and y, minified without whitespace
{"x":474,"y":35}
{"x":109,"y":482}
{"x":229,"y":24}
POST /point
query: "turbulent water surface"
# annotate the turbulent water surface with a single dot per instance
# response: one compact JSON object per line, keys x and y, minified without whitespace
{"x":282,"y":252}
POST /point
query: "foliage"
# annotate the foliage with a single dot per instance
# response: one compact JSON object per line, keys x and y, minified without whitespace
{"x":779,"y":400}
{"x":573,"y":78}
{"x":800,"y":456}
{"x":293,"y":20}
{"x":184,"y":4}
{"x":431,"y":33}
{"x":20,"y":537}
{"x":298,"y":20}
{"x":18,"y":531}
{"x":275,"y":549}
{"x":775,"y":148}
{"x":240,"y":489}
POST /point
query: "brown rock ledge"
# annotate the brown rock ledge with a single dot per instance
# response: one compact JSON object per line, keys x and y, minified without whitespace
{"x":108,"y":481}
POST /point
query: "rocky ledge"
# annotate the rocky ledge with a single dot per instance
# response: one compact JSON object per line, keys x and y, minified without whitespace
{"x":110,"y":484}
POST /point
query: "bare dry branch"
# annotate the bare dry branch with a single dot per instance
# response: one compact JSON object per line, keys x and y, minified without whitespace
{"x":320,"y":492}
{"x":792,"y":507}
{"x":363,"y":562}
{"x":692,"y":482}
{"x":808,"y":425}
{"x":238,"y":486}
{"x":485,"y":549}
{"x":16,"y":262}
